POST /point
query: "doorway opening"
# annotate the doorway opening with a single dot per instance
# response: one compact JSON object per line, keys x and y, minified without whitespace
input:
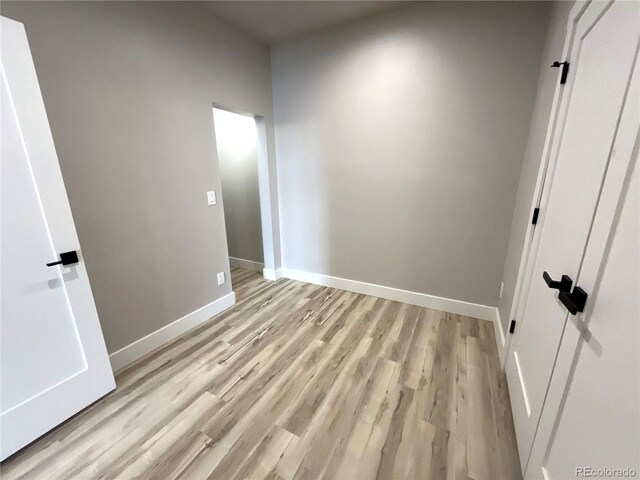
{"x":241,"y":144}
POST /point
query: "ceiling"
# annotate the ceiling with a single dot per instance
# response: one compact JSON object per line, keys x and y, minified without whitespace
{"x":273,"y":21}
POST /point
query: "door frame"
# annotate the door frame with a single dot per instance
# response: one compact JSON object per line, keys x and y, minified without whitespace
{"x":626,"y":146}
{"x":267,"y":189}
{"x":545,"y":174}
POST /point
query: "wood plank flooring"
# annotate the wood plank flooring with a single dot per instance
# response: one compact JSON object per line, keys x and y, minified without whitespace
{"x":298,"y":381}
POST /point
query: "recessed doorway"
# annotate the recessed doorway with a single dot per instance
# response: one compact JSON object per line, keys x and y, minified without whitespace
{"x":241,"y":145}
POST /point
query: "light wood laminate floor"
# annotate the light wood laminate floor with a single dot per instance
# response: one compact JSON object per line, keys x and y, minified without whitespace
{"x":298,"y":381}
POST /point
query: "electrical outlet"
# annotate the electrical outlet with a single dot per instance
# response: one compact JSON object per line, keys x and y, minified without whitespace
{"x":501,"y":288}
{"x":220,"y":278}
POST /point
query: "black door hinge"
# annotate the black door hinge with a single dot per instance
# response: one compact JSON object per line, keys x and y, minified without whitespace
{"x":534,"y":219}
{"x":512,"y":327}
{"x":565,"y":70}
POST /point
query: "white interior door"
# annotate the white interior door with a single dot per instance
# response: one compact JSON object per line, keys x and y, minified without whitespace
{"x":598,"y":425}
{"x":54,"y":361}
{"x":604,"y":48}
{"x":591,"y":419}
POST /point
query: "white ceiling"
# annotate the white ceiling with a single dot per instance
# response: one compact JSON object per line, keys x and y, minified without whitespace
{"x":273,"y":21}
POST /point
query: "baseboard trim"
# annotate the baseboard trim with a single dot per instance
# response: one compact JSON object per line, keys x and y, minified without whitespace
{"x":458,"y":307}
{"x":246,"y":264}
{"x":141,"y":347}
{"x":272,"y":274}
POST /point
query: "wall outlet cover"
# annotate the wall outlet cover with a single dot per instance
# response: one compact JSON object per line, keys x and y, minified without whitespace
{"x":220,"y":278}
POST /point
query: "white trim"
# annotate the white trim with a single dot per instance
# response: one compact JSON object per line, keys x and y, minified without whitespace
{"x":271,"y":274}
{"x":266,"y":184}
{"x":246,"y":264}
{"x":141,"y":347}
{"x":501,"y":341}
{"x":483,"y":312}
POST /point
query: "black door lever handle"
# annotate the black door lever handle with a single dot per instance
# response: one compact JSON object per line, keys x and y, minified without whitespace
{"x":574,"y":301}
{"x":565,"y":70}
{"x":66,"y":258}
{"x":563,"y":285}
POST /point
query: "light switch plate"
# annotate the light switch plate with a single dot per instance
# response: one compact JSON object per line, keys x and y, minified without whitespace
{"x":501,"y":288}
{"x":211,"y":198}
{"x":220,"y":278}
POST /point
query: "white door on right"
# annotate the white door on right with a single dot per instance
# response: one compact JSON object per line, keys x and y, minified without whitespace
{"x":595,"y":429}
{"x":605,"y":44}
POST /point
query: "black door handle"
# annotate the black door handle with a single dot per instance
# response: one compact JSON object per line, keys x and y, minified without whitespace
{"x":563,"y":285}
{"x":574,"y":301}
{"x":66,"y":258}
{"x":565,"y":70}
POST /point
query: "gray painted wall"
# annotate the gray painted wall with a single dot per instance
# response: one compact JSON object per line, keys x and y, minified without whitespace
{"x":128,"y":88}
{"x":236,"y":141}
{"x":400,"y":139}
{"x":547,"y":82}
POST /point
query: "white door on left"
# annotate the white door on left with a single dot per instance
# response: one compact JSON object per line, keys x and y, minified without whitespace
{"x":53,"y":357}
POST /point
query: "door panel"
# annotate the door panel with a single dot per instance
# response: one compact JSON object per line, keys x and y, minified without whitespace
{"x":599,"y":425}
{"x":40,"y":346}
{"x":54,"y":361}
{"x":602,"y":58}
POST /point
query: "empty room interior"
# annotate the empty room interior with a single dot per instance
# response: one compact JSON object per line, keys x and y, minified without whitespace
{"x":320,"y":240}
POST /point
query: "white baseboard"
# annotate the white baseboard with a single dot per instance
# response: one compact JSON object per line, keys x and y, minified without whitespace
{"x":458,"y":307}
{"x":141,"y":347}
{"x":246,"y":264}
{"x":271,"y":274}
